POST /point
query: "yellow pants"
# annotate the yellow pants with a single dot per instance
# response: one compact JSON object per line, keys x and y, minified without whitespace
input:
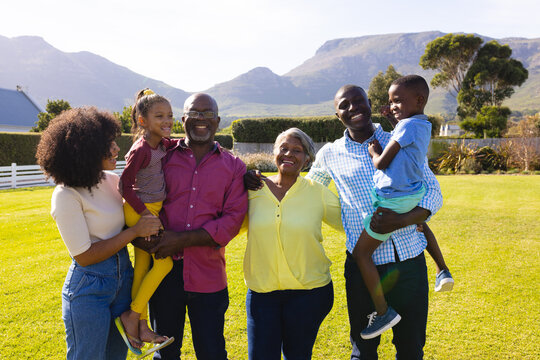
{"x":145,"y":281}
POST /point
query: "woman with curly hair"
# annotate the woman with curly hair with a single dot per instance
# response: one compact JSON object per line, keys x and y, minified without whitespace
{"x":78,"y":150}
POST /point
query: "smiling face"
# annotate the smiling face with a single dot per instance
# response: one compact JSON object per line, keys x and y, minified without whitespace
{"x":109,"y":162}
{"x":158,"y":122}
{"x":353,"y":108}
{"x":405,"y":102}
{"x":200,"y":129}
{"x":289,"y":156}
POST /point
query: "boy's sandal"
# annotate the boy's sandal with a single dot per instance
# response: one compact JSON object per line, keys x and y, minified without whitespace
{"x":151,"y":350}
{"x":127,"y":337}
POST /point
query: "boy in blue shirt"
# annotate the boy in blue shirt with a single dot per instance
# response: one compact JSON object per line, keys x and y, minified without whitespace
{"x":398,"y":187}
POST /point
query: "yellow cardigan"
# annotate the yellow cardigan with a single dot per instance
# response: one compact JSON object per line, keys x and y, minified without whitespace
{"x":284,"y":249}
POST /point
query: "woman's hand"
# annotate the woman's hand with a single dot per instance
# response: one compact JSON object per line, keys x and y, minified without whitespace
{"x":147,"y":225}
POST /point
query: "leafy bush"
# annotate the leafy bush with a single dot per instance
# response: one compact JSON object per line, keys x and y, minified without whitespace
{"x":124,"y":118}
{"x":458,"y":158}
{"x":489,"y":122}
{"x":468,"y":159}
{"x":491,"y":160}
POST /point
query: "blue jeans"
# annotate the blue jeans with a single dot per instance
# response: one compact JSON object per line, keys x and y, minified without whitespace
{"x":405,"y":288}
{"x":206,"y":313}
{"x":286,"y":320}
{"x":92,"y":297}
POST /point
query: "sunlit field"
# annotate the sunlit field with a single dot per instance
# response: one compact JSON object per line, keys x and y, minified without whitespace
{"x":488,"y":229}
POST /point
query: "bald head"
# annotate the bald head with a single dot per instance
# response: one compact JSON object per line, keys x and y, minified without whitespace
{"x":198,"y":97}
{"x":347,"y":88}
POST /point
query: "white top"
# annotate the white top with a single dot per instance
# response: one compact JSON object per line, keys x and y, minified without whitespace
{"x":85,"y":217}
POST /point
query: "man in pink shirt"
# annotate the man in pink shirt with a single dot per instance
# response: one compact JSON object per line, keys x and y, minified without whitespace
{"x":204,"y":209}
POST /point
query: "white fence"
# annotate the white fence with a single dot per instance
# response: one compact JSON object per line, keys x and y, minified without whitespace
{"x":17,"y":176}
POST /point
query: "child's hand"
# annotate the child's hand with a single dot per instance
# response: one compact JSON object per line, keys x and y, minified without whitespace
{"x":419,"y":228}
{"x":146,"y":212}
{"x":385,"y":111}
{"x":253,"y":180}
{"x":147,"y":225}
{"x":374,"y":148}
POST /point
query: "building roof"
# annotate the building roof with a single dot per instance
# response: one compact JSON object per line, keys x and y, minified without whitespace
{"x":17,"y":109}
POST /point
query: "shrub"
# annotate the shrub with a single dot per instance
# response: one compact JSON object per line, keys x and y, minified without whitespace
{"x":224,"y":140}
{"x":489,"y":122}
{"x":458,"y":158}
{"x":20,"y":148}
{"x":266,"y":130}
{"x":490,"y":160}
{"x":259,"y":161}
{"x":319,"y":128}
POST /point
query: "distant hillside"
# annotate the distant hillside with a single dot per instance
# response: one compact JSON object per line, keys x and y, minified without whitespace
{"x":356,"y":61}
{"x":308,"y":89}
{"x":80,"y":78}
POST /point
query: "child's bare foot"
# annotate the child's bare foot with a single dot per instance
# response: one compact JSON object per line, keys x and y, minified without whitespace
{"x":130,"y":321}
{"x":147,"y":335}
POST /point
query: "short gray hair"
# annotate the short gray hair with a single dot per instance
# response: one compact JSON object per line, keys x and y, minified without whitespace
{"x":307,"y":143}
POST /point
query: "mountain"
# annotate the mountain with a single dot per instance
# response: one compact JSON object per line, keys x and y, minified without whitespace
{"x":81,"y":78}
{"x":356,"y":61}
{"x":259,"y":85}
{"x":308,"y":89}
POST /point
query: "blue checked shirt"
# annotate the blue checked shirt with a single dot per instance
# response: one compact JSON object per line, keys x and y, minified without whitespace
{"x":348,"y":163}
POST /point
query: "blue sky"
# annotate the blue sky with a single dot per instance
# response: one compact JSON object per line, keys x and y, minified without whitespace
{"x":195,"y":44}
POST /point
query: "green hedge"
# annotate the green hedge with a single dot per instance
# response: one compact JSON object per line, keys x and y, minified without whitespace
{"x":320,"y":129}
{"x":20,"y":148}
{"x":225,"y":140}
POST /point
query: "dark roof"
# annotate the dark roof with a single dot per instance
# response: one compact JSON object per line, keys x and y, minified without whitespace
{"x":17,"y":109}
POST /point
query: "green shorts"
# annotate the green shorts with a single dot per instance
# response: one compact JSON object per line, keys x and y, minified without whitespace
{"x":400,"y":205}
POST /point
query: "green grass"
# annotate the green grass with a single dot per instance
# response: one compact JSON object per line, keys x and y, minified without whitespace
{"x":488,"y":229}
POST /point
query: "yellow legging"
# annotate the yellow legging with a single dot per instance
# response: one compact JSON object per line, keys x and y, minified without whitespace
{"x":145,"y":282}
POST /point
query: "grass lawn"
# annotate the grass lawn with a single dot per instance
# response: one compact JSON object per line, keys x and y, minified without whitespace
{"x":488,"y":229}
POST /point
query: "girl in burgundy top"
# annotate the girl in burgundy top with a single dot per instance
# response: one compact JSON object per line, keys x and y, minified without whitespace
{"x":143,"y":187}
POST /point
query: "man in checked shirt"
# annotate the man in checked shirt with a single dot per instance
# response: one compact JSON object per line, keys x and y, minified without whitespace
{"x":400,"y":260}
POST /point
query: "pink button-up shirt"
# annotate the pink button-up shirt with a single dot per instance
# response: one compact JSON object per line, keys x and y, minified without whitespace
{"x":210,"y":196}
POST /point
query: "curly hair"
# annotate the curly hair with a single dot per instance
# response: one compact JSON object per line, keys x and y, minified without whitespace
{"x":73,"y":146}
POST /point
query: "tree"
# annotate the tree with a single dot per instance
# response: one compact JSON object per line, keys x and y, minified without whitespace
{"x":490,"y":79}
{"x":124,"y":118}
{"x":451,"y":55}
{"x":177,"y":128}
{"x":378,"y":88}
{"x":52,"y":110}
{"x":489,"y":122}
{"x":522,"y":146}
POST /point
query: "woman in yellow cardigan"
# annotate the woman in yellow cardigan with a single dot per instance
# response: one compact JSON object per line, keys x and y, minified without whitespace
{"x":285,"y":266}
